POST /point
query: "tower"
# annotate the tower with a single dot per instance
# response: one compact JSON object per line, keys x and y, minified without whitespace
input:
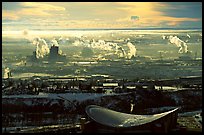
{"x":53,"y":52}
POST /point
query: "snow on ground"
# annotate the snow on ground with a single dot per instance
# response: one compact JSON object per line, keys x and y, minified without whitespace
{"x":14,"y":129}
{"x":69,"y":96}
{"x":160,"y":109}
{"x":195,"y":114}
{"x":192,"y":113}
{"x":166,"y":88}
{"x":191,"y":119}
{"x":198,"y":118}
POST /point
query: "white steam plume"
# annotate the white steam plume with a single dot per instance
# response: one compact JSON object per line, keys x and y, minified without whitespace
{"x":27,"y":35}
{"x":41,"y":47}
{"x":77,"y":43}
{"x":179,"y":43}
{"x":54,"y":42}
{"x":6,"y":72}
{"x":63,"y":40}
{"x":132,"y":50}
{"x":106,"y":46}
{"x":123,"y":52}
{"x":188,"y":35}
{"x":163,"y":37}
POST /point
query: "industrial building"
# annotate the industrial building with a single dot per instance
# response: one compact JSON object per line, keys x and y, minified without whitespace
{"x":53,"y":56}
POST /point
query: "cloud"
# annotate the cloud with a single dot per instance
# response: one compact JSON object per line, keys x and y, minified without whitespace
{"x":134,"y":18}
{"x":97,"y":14}
{"x":9,"y":15}
{"x":42,"y":6}
{"x":150,"y":14}
{"x":33,"y":9}
{"x":173,"y":21}
{"x":142,"y":9}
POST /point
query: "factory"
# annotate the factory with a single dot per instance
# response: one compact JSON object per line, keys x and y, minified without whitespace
{"x":52,"y":56}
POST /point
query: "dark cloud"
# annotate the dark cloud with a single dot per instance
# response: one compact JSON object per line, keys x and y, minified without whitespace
{"x":134,"y":17}
{"x":11,"y":6}
{"x":184,"y":9}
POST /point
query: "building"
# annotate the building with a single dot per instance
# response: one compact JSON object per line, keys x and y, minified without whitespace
{"x":104,"y":120}
{"x":53,"y":56}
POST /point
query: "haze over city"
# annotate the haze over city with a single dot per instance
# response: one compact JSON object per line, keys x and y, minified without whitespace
{"x":80,"y":67}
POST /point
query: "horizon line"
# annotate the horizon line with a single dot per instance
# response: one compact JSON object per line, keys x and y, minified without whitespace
{"x":150,"y":28}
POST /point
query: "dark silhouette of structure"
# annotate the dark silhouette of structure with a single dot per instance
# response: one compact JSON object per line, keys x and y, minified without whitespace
{"x":53,"y":56}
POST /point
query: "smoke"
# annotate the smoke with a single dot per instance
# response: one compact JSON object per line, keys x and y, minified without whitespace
{"x":179,"y":43}
{"x":141,"y":36}
{"x":63,"y":40}
{"x":102,"y":45}
{"x":41,"y":47}
{"x":120,"y":49}
{"x":188,"y":35}
{"x":25,"y":32}
{"x":77,"y":43}
{"x":6,"y":72}
{"x":54,"y":42}
{"x":132,"y":50}
{"x":108,"y":46}
{"x":27,"y":35}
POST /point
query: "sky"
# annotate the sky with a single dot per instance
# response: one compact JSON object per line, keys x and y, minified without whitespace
{"x":76,"y":15}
